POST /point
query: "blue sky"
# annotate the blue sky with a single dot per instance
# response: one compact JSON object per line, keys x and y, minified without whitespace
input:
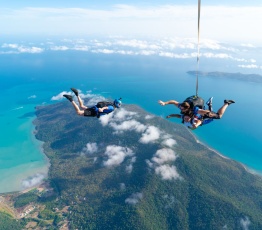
{"x":223,"y":20}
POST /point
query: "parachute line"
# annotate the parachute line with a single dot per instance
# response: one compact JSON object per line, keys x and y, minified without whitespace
{"x":198,"y":31}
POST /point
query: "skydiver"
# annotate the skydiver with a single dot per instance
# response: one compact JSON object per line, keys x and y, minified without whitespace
{"x":101,"y":108}
{"x":197,"y":117}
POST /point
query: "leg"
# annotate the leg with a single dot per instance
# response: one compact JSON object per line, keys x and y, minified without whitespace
{"x":78,"y":111}
{"x":222,"y":110}
{"x":81,"y":104}
{"x":70,"y":98}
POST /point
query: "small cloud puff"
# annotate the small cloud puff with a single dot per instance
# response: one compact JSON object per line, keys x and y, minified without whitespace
{"x":167,"y":172}
{"x":164,"y":155}
{"x":251,"y":66}
{"x":23,"y":49}
{"x":90,"y":148}
{"x":122,"y":186}
{"x":33,"y":180}
{"x":33,"y":96}
{"x":105,"y":120}
{"x":59,"y":48}
{"x":116,"y":155}
{"x":158,"y":161}
{"x":124,"y":115}
{"x":128,"y":125}
{"x":147,"y":117}
{"x":134,"y":198}
{"x":151,"y":134}
{"x":122,"y":120}
{"x":245,"y":223}
{"x":60,"y":96}
{"x":129,"y":168}
{"x":169,"y":142}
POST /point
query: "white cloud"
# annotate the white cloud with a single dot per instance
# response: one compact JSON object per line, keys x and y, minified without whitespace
{"x":60,"y":96}
{"x":123,"y":114}
{"x":151,"y":134}
{"x":106,"y":119}
{"x":164,"y":155}
{"x":167,"y":172}
{"x":122,"y":186}
{"x":170,"y":200}
{"x":129,"y":168}
{"x":33,"y":180}
{"x":12,"y":46}
{"x":81,"y":48}
{"x":122,"y":120}
{"x":169,"y":142}
{"x":59,"y":48}
{"x":251,"y":66}
{"x":90,"y":148}
{"x":103,"y":51}
{"x":116,"y":155}
{"x":245,"y":223}
{"x":23,"y":49}
{"x":128,"y":125}
{"x":134,"y":198}
{"x":30,"y":50}
{"x":32,"y":96}
{"x":158,"y":163}
{"x":219,"y":55}
{"x":147,"y":117}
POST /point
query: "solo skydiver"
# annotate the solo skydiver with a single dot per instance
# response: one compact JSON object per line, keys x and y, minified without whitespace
{"x":101,"y":108}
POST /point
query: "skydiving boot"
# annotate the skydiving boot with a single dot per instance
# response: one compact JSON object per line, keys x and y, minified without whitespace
{"x":75,"y":91}
{"x":209,"y":101}
{"x":68,"y":97}
{"x":229,"y":102}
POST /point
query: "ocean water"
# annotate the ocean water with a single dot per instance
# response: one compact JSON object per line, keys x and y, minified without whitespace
{"x":29,"y":80}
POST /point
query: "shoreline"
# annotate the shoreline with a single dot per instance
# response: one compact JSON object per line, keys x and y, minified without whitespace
{"x":48,"y":164}
{"x":249,"y":170}
{"x":31,"y":171}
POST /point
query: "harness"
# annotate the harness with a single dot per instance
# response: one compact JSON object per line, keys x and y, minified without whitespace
{"x":102,"y":104}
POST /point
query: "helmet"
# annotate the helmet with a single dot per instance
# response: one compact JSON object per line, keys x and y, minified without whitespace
{"x":117,"y":103}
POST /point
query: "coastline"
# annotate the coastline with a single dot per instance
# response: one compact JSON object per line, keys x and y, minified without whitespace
{"x":249,"y":170}
{"x":47,"y":164}
{"x":28,"y":175}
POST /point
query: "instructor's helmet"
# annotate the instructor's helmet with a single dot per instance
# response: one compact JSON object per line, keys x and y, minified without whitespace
{"x":117,"y":102}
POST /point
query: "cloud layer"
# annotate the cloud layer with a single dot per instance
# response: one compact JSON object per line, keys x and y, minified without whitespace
{"x":175,"y":48}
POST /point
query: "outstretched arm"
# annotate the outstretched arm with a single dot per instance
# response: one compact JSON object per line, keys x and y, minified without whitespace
{"x":174,"y":115}
{"x":171,"y":102}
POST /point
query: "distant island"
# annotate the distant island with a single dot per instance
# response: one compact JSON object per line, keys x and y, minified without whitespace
{"x":237,"y":76}
{"x":131,"y":170}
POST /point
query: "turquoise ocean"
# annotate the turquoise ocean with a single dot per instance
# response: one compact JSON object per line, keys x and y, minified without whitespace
{"x":29,"y":80}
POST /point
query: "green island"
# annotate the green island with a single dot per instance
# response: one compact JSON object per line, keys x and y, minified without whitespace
{"x":142,"y":185}
{"x":256,"y":78}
